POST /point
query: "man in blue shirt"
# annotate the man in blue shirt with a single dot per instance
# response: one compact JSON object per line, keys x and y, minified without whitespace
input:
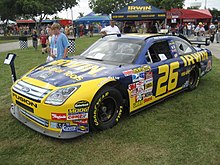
{"x":59,"y":43}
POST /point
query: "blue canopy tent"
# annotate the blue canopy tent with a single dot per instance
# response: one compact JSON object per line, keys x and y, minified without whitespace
{"x":93,"y":19}
{"x":138,"y":11}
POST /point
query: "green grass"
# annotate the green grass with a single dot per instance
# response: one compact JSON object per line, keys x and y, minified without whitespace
{"x":184,"y":129}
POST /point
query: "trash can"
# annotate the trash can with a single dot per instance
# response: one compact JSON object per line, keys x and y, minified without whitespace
{"x":23,"y":42}
{"x":72,"y":47}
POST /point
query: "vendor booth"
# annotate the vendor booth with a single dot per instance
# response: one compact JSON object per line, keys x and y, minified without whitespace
{"x":95,"y":20}
{"x":140,"y":17}
{"x":180,"y":16}
{"x":65,"y":22}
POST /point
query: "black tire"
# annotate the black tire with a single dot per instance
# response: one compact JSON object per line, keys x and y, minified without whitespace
{"x":194,"y":78}
{"x":106,"y":109}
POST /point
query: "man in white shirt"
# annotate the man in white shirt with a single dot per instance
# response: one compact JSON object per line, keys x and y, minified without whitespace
{"x":111,"y":29}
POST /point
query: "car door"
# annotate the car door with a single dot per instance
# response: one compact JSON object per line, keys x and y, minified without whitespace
{"x":166,"y":67}
{"x":165,"y":77}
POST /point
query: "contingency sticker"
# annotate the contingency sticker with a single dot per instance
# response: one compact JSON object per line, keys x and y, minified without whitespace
{"x":142,"y":86}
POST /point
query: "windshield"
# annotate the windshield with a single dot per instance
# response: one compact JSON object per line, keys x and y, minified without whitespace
{"x":114,"y":50}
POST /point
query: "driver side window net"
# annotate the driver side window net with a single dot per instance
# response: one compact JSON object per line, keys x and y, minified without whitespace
{"x":159,"y":51}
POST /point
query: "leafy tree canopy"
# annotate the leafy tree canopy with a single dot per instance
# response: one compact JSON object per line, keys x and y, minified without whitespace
{"x":8,"y":9}
{"x":110,"y":6}
{"x":81,"y":14}
{"x":43,"y":7}
{"x":167,"y":4}
{"x":215,"y":13}
{"x":13,"y":8}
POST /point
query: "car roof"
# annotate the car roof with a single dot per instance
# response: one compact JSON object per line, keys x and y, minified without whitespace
{"x":142,"y":37}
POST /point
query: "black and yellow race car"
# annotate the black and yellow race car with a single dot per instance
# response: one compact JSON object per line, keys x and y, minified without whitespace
{"x":118,"y":73}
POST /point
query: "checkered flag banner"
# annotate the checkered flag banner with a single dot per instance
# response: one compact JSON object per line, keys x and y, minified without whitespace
{"x":72,"y":47}
{"x":23,"y":44}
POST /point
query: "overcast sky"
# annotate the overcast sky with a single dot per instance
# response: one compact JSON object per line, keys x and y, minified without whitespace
{"x":84,"y":8}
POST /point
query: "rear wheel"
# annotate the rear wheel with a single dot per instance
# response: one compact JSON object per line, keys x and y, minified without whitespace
{"x":194,"y":78}
{"x":106,"y":109}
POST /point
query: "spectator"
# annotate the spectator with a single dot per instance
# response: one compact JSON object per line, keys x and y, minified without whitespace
{"x":67,"y":30}
{"x":71,"y":30}
{"x":49,"y":38}
{"x":35,"y":39}
{"x":189,"y":29}
{"x":99,"y":27}
{"x":200,"y":30}
{"x":91,"y":30}
{"x":81,"y":30}
{"x":218,"y":33}
{"x":185,"y":29}
{"x":43,"y":40}
{"x":212,"y":31}
{"x":111,"y":29}
{"x":127,"y":28}
{"x":206,"y":27}
{"x":59,"y":43}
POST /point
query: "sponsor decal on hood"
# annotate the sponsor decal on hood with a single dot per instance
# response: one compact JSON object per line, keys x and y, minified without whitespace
{"x":81,"y":104}
{"x":66,"y":72}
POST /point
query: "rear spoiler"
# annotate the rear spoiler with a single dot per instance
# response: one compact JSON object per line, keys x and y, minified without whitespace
{"x":205,"y":41}
{"x":197,"y":41}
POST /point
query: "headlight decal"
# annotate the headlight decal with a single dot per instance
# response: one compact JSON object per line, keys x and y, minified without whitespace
{"x":59,"y":96}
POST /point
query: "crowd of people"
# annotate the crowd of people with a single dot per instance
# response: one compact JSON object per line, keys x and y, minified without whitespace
{"x":54,"y":39}
{"x":201,"y":29}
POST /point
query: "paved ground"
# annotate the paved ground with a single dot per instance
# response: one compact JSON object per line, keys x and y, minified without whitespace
{"x":214,"y":47}
{"x":12,"y":46}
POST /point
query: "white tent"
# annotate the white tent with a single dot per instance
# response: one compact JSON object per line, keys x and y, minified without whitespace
{"x":10,"y":22}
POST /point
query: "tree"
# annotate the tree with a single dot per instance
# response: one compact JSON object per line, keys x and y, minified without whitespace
{"x":42,"y":8}
{"x":215,"y":13}
{"x":167,"y":4}
{"x":81,"y":14}
{"x":8,"y":9}
{"x":110,"y":6}
{"x":195,"y":7}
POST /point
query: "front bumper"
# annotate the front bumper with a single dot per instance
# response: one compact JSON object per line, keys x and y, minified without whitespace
{"x":16,"y":112}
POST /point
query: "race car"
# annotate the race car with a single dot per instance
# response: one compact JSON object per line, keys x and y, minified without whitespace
{"x":117,"y":74}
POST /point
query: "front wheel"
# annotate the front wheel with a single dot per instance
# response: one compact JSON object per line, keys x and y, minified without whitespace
{"x":194,"y":78}
{"x":106,"y":109}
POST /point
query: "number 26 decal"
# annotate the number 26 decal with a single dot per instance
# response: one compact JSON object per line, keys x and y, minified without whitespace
{"x":170,"y":75}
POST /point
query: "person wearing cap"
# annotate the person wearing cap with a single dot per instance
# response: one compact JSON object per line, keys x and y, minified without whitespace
{"x":200,"y":30}
{"x":111,"y":29}
{"x":59,"y":43}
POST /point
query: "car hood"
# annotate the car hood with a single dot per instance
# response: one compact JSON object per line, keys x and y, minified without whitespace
{"x":66,"y":72}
